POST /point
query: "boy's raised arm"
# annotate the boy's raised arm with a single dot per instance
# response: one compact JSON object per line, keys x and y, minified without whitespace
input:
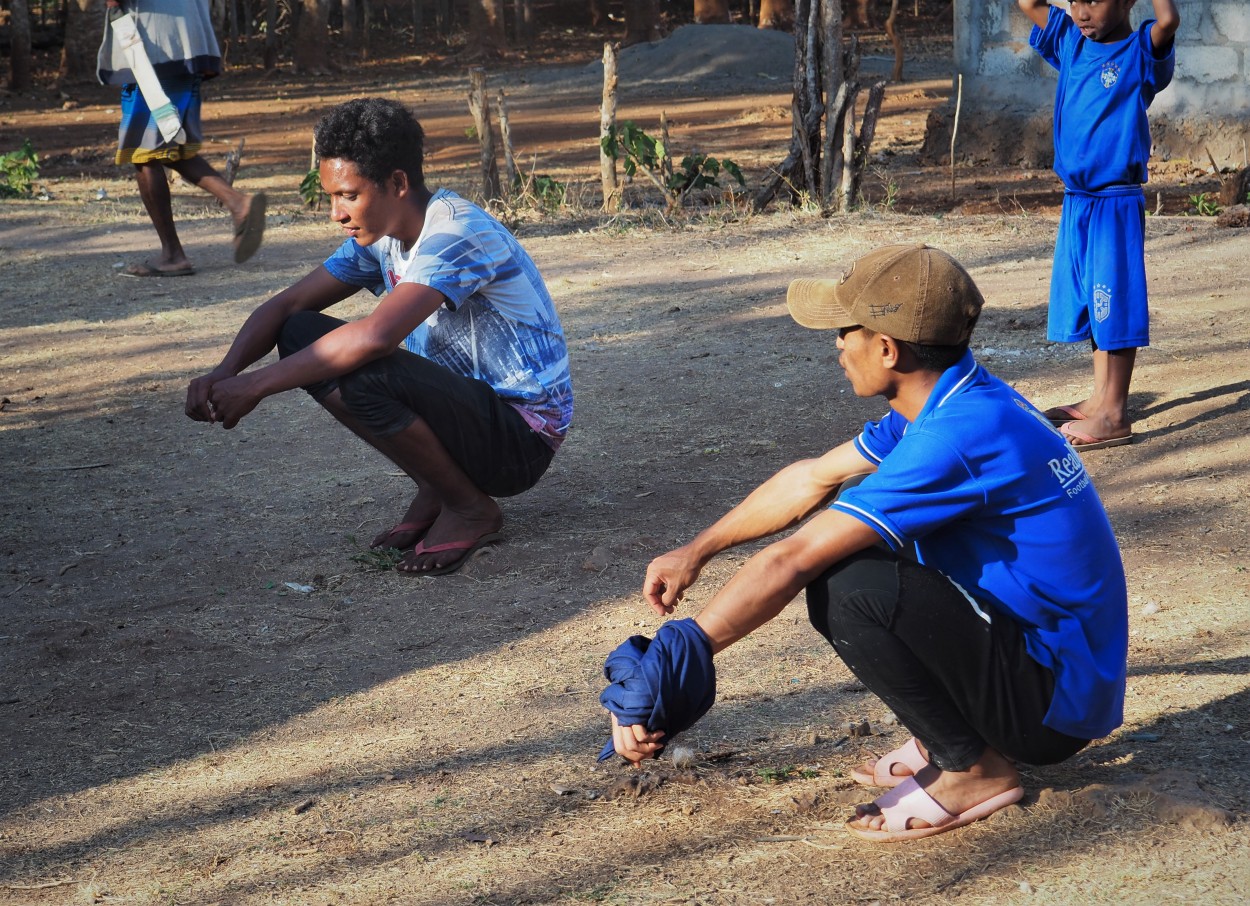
{"x":1167,"y":21}
{"x":1036,"y":10}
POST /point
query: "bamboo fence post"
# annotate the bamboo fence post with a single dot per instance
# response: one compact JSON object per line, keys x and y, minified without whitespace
{"x":480,"y":109}
{"x":607,"y":129}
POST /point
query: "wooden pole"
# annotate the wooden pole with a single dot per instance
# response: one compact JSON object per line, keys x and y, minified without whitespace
{"x":959,"y":99}
{"x":505,"y":134}
{"x":480,"y":109}
{"x":607,"y":127}
{"x":831,"y":60}
{"x":848,"y":152}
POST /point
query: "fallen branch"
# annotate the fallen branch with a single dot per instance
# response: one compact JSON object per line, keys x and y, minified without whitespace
{"x":44,"y":886}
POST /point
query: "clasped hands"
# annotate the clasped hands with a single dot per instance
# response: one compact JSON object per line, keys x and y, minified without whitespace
{"x":221,"y":397}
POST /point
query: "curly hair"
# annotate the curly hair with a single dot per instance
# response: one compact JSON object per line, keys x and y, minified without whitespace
{"x":377,"y":135}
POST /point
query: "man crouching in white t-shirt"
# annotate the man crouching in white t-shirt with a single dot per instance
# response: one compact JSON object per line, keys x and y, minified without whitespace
{"x":459,"y":376}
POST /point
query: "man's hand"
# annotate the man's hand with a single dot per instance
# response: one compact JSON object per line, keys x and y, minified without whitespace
{"x":232,"y":398}
{"x":668,"y":577}
{"x":198,"y":406}
{"x":635,"y":743}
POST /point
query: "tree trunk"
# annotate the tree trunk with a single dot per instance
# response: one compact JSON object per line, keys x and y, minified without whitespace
{"x":351,"y":29}
{"x":642,"y":21}
{"x":711,"y":12}
{"x":486,"y":28}
{"x":523,"y":21}
{"x":19,"y":33}
{"x":312,"y":37}
{"x":83,"y":26}
{"x":271,"y":34}
{"x":778,"y":14}
{"x":598,"y":13}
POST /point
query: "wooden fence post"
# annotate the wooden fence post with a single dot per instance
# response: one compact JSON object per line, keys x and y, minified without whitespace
{"x":505,"y":133}
{"x":607,"y":127}
{"x":480,"y":109}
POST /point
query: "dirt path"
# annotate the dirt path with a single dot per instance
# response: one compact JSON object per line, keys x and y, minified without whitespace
{"x":180,"y":725}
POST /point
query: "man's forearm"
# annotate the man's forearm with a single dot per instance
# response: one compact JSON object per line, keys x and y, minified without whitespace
{"x":771,"y":579}
{"x":783,"y":501}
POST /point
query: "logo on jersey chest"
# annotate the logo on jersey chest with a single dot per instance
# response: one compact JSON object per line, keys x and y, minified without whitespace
{"x":1102,"y":302}
{"x":1110,"y":74}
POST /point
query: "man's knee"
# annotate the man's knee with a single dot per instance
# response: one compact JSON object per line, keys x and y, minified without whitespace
{"x":301,"y":329}
{"x":861,"y":590}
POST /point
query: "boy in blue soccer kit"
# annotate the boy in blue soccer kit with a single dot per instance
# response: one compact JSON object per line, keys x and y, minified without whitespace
{"x":965,"y":570}
{"x":1108,"y":76}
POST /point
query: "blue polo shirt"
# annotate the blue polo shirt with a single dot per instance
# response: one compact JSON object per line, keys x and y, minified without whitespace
{"x":1102,"y":137}
{"x":994,"y":498}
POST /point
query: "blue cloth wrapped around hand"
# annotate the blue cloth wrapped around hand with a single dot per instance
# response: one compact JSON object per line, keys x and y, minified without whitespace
{"x":666,"y":683}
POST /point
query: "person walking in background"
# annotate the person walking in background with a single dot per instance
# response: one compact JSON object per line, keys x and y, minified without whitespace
{"x":177,"y":41}
{"x":1108,"y":75}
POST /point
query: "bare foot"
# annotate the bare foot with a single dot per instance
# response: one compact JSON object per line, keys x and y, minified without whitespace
{"x":955,"y":791}
{"x":903,"y":762}
{"x":452,"y":527}
{"x":1099,"y":426}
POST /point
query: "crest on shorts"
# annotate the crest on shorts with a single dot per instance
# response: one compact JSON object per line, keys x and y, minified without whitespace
{"x":1102,"y":302}
{"x":1110,"y":74}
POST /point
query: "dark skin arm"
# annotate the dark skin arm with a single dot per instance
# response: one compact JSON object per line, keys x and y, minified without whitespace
{"x":1036,"y":10}
{"x":225,"y":395}
{"x":759,"y":592}
{"x":1167,"y":23}
{"x":770,"y":579}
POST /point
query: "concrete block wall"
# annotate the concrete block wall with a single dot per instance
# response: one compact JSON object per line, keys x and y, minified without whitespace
{"x":1008,"y":92}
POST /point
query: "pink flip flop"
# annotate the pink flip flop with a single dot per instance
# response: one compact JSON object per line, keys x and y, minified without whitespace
{"x":468,"y":548}
{"x":1082,"y":441}
{"x":908,"y":800}
{"x":882,"y":773}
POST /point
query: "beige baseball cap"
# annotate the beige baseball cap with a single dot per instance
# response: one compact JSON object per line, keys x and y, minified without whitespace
{"x":912,"y":293}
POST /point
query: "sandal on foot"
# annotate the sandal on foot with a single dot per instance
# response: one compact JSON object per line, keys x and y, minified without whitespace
{"x":881,"y":773}
{"x":1082,"y":441}
{"x":468,"y":548}
{"x":417,"y":529}
{"x":250,"y":230}
{"x":909,"y":801}
{"x":145,"y":269}
{"x":1061,"y":415}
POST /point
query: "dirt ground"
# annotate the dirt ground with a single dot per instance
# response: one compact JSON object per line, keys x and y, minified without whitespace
{"x":207,"y":698}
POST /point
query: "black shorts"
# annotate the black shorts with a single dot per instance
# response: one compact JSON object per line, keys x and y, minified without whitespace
{"x":488,"y":438}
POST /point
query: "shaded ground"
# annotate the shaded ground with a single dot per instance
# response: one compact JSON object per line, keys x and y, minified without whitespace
{"x":178,"y":725}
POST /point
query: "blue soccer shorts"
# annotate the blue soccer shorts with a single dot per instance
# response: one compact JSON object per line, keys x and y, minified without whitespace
{"x":1098,"y":284}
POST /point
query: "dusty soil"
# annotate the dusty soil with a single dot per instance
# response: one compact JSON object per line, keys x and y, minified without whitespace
{"x":180,"y":725}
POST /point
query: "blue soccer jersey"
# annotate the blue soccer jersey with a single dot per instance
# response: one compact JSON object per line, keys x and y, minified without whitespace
{"x":498,"y":323}
{"x":1102,"y":136}
{"x":994,"y":498}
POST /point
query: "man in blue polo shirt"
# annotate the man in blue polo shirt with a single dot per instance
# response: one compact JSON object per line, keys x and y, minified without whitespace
{"x":966,"y":571}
